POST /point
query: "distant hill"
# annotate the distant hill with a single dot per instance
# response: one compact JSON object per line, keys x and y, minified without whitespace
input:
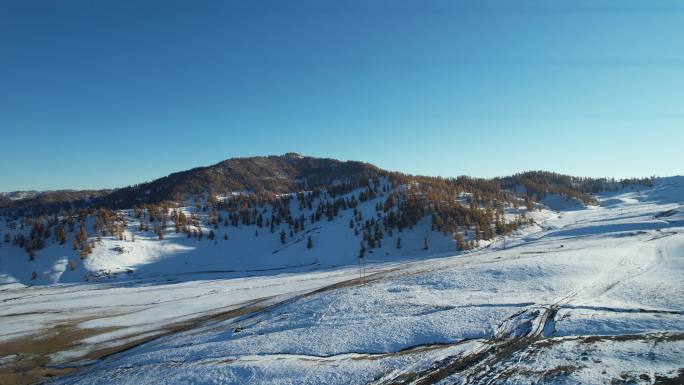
{"x":16,"y":195}
{"x":270,"y":212}
{"x":262,"y":174}
{"x":48,"y":201}
{"x":273,"y":174}
{"x":537,"y":184}
{"x":279,"y":174}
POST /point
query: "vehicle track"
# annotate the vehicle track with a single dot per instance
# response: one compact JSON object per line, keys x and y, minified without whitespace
{"x":474,"y":367}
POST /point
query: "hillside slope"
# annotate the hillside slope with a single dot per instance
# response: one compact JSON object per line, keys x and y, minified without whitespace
{"x":262,"y":174}
{"x":268,"y":174}
{"x":270,"y":214}
{"x":591,"y":295}
{"x":279,"y":174}
{"x":215,"y":241}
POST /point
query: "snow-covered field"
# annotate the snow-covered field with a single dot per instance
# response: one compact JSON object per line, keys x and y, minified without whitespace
{"x":594,"y":295}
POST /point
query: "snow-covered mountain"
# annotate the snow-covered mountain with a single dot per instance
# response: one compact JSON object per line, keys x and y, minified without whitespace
{"x":223,"y":248}
{"x":345,"y":273}
{"x":270,"y":214}
{"x":16,"y":195}
{"x":262,"y":174}
{"x":289,"y":173}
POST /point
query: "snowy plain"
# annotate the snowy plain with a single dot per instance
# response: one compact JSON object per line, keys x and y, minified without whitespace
{"x":591,"y":295}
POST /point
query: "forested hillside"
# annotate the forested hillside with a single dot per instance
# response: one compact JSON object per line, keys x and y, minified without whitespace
{"x":286,"y":197}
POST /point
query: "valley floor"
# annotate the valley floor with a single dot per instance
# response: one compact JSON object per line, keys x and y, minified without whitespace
{"x":595,"y":296}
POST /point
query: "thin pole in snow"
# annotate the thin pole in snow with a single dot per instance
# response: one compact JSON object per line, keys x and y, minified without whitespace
{"x":360,"y":275}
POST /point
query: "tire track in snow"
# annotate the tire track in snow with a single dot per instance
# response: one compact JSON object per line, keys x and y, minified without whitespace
{"x":514,"y":334}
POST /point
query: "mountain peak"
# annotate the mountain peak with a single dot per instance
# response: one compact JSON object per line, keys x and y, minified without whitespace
{"x":293,"y":155}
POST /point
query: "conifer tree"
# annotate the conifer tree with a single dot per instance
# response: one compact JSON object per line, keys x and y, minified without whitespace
{"x":59,"y":235}
{"x":82,"y":234}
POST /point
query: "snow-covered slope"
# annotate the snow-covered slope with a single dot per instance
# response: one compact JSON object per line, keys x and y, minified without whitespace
{"x":594,"y":295}
{"x":235,"y":251}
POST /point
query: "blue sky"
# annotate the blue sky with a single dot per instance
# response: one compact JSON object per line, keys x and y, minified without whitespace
{"x":109,"y":93}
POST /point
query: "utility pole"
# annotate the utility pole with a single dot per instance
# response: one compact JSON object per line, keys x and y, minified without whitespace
{"x":362,"y":271}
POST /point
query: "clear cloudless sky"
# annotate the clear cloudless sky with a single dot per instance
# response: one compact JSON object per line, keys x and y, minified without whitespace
{"x":98,"y":94}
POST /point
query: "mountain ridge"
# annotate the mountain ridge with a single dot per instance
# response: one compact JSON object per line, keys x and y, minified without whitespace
{"x":288,"y":173}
